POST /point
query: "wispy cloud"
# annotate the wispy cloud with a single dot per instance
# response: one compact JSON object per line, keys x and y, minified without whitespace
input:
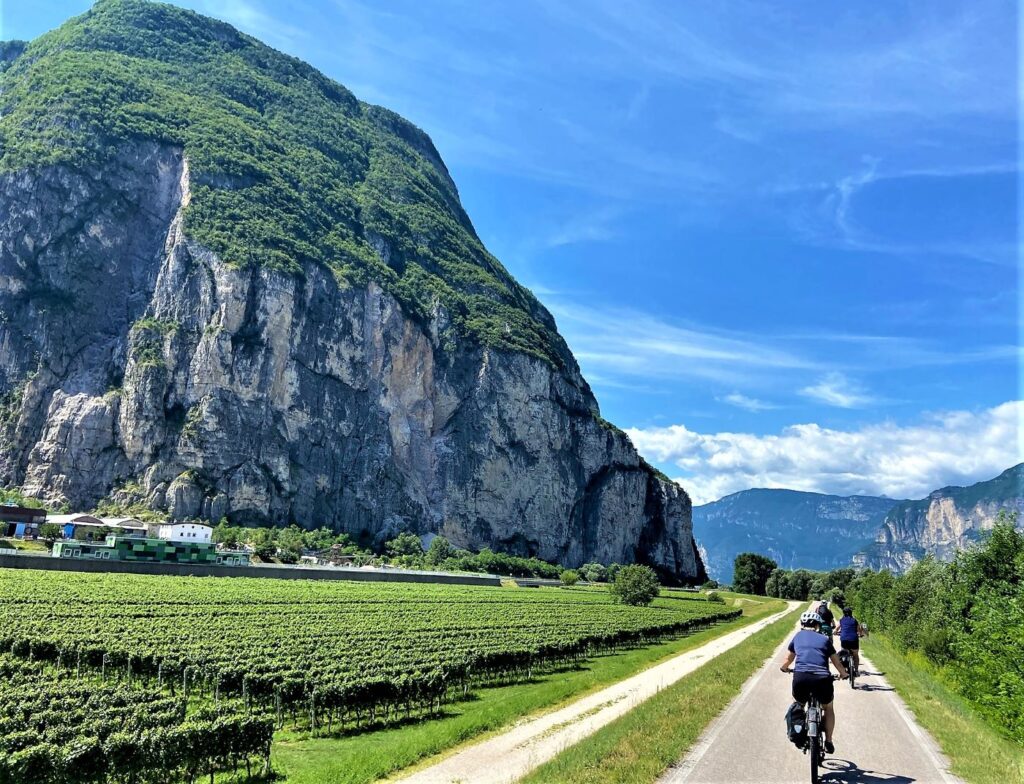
{"x":250,"y":17}
{"x":833,"y":220}
{"x":747,"y":403}
{"x":835,"y":389}
{"x":909,"y":461}
{"x":595,"y":225}
{"x":629,"y":343}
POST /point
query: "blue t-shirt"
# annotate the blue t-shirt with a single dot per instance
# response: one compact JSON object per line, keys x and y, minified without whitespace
{"x":812,"y":652}
{"x":848,"y":628}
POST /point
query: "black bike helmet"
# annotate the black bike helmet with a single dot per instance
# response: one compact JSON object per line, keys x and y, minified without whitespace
{"x":847,"y":611}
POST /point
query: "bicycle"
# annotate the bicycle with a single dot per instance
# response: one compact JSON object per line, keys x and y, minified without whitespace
{"x":851,"y":667}
{"x":815,"y":743}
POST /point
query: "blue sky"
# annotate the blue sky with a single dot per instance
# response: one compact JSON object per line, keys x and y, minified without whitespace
{"x":781,"y":238}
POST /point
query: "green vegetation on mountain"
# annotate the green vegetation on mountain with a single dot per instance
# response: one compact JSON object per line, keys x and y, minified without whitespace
{"x":287,"y":168}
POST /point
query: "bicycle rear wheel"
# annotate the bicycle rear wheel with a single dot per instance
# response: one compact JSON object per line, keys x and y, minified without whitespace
{"x":815,"y":758}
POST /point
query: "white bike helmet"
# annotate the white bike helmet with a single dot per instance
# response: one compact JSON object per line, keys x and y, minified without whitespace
{"x":807,"y":618}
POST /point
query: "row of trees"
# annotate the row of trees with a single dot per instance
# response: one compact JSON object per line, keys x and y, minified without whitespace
{"x":965,"y":617}
{"x":760,"y":575}
{"x":285,"y":544}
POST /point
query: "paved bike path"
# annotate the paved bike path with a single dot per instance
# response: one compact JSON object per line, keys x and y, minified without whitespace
{"x":877,"y":740}
{"x":509,"y":756}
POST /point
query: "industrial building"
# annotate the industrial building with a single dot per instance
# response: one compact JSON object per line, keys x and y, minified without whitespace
{"x":141,"y":549}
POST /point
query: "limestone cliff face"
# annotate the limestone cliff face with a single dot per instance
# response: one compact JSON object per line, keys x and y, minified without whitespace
{"x":945,"y":522}
{"x":137,"y":364}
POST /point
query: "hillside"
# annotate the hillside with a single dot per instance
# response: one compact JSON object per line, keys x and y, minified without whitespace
{"x":231,"y":289}
{"x":796,"y":529}
{"x":946,"y":521}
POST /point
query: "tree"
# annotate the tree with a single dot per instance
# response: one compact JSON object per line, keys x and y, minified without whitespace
{"x":439,"y":551}
{"x":711,"y":585}
{"x":266,"y":550}
{"x":405,"y":543}
{"x":319,"y":538}
{"x":751,"y":572}
{"x":291,"y":540}
{"x":50,"y":532}
{"x":635,"y":584}
{"x":569,"y":577}
{"x":226,"y":535}
{"x":594,"y":573}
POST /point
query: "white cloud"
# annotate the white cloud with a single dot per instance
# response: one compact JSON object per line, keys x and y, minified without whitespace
{"x":748,"y":403}
{"x":909,"y":461}
{"x":835,"y":389}
{"x":616,"y":343}
{"x":591,"y":226}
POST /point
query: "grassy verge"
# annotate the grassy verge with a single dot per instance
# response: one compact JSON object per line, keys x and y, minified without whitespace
{"x":639,"y":746}
{"x":27,"y":545}
{"x":976,"y":752}
{"x":366,"y":757}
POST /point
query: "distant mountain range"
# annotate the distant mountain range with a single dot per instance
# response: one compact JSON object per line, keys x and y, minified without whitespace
{"x":816,"y":531}
{"x":947,"y":520}
{"x":796,"y":529}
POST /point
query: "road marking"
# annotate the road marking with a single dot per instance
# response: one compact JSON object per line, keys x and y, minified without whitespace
{"x":928,"y":744}
{"x":680,"y":774}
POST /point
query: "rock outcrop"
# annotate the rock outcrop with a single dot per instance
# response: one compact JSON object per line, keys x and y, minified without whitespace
{"x":947,"y":521}
{"x":797,"y":530}
{"x":138,"y":362}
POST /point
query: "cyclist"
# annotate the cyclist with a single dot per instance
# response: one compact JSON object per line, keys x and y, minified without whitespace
{"x":850,"y":632}
{"x":828,"y":620}
{"x":811,"y":676}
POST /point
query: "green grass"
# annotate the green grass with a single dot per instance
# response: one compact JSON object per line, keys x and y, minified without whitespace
{"x":639,"y":746}
{"x":370,"y":756}
{"x":976,"y":752}
{"x":26,"y":545}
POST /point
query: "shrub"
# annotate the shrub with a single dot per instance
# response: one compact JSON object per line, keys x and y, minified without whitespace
{"x":636,"y":585}
{"x":569,"y":577}
{"x":715,"y":598}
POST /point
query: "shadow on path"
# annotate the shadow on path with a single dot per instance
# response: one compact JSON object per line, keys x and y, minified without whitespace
{"x":871,"y":687}
{"x":835,"y":771}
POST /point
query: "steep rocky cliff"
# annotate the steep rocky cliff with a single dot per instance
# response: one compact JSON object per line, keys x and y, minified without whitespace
{"x":946,"y":521}
{"x":798,"y":530}
{"x":228,"y":288}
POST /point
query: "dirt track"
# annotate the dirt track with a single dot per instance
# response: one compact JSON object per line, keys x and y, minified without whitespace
{"x":510,"y":756}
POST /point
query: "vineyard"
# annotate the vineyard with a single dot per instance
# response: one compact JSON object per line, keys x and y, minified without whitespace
{"x":233,"y":658}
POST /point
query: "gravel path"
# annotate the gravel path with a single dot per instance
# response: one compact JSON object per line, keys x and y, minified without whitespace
{"x":508,"y":757}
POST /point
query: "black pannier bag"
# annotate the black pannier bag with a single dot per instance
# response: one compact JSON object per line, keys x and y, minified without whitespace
{"x":796,"y":724}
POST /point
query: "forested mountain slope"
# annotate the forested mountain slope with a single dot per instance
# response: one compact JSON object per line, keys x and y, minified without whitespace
{"x":229,"y":288}
{"x":796,"y":529}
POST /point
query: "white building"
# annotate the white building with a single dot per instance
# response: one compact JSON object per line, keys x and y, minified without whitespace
{"x":185,"y":532}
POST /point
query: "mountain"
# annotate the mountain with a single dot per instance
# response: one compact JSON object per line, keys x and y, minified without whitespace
{"x":796,"y":529}
{"x":228,"y":288}
{"x":946,"y":521}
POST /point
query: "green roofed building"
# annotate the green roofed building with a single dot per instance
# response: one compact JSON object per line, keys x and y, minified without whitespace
{"x":124,"y":548}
